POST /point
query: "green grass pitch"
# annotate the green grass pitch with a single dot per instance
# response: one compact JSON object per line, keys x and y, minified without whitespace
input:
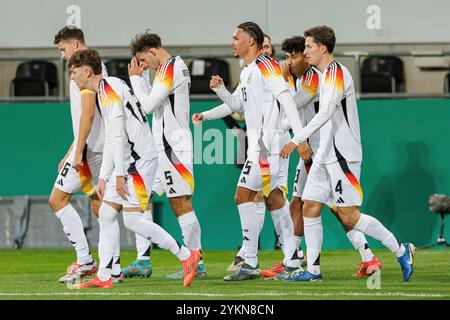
{"x":33,"y":274}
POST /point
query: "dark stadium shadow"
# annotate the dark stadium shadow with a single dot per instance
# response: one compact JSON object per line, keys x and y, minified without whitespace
{"x":400,"y":199}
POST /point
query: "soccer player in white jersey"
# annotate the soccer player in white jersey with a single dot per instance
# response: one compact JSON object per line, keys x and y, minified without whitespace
{"x":334,"y":175}
{"x":306,"y":96}
{"x":128,"y":169}
{"x":168,"y":101}
{"x":239,"y":259}
{"x":261,"y":95}
{"x":79,"y":169}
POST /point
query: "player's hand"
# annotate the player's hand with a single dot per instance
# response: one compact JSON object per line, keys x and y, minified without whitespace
{"x":286,"y":71}
{"x":134,"y":68}
{"x":215,"y":82}
{"x":77,"y":162}
{"x":286,"y":151}
{"x":197,"y":119}
{"x":100,"y":189}
{"x":121,"y":187}
{"x":304,"y":151}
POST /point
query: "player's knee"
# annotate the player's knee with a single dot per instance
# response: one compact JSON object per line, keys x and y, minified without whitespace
{"x":181,"y":205}
{"x":311,"y":209}
{"x":240,"y":198}
{"x":57,"y":203}
{"x":275,"y":201}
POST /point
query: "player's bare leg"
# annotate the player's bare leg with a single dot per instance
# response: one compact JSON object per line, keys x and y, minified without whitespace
{"x":73,"y":228}
{"x":296,"y":210}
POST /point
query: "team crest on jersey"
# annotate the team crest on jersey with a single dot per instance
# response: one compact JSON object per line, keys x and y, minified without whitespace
{"x":186,"y":73}
{"x":249,"y":79}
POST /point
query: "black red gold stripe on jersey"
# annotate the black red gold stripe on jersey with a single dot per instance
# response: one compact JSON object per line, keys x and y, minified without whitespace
{"x":264,"y":167}
{"x":334,"y":77}
{"x":350,"y":176}
{"x":310,"y":82}
{"x":139,"y":187}
{"x":86,"y":176}
{"x":265,"y":173}
{"x":164,"y":74}
{"x":269,"y":67}
{"x":178,"y":165}
{"x":107,"y":96}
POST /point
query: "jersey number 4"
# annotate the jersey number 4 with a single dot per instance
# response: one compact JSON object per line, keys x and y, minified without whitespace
{"x":338,"y":187}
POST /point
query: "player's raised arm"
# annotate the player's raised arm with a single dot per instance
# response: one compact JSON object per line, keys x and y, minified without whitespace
{"x":163,"y":85}
{"x":234,"y":101}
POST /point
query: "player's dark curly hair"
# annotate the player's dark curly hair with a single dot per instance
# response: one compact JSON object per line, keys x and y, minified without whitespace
{"x":254,"y":31}
{"x":295,"y":44}
{"x":69,"y":33}
{"x":322,"y":35}
{"x":86,"y":57}
{"x":144,"y":41}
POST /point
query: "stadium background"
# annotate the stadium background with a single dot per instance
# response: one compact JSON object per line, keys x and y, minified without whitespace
{"x":405,"y":138}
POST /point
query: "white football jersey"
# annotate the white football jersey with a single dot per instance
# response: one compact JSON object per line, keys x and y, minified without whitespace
{"x":96,"y":136}
{"x":170,"y":122}
{"x":307,"y":95}
{"x":340,"y":136}
{"x":260,"y":83}
{"x":116,"y":100}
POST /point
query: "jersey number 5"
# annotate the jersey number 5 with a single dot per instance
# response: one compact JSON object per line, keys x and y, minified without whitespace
{"x":168,"y":177}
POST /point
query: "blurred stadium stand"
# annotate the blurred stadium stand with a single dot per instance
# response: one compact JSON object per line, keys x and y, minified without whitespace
{"x":35,"y":78}
{"x":202,"y":69}
{"x":118,"y":68}
{"x":383,"y":74}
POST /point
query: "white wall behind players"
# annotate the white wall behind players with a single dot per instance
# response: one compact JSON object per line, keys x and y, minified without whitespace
{"x":107,"y":23}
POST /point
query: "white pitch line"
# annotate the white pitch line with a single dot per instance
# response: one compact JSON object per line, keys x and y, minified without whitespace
{"x":219,"y":295}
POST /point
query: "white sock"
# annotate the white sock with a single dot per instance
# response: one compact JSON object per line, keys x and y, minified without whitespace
{"x":241,"y":252}
{"x":298,"y":245}
{"x":261,"y":211}
{"x":108,"y":240}
{"x":359,"y":242}
{"x":150,"y":230}
{"x":375,"y":229}
{"x":313,"y":239}
{"x":143,"y":245}
{"x":250,"y":232}
{"x":190,"y":229}
{"x":284,"y":228}
{"x":73,"y":228}
{"x":116,"y":269}
{"x":183,"y":253}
